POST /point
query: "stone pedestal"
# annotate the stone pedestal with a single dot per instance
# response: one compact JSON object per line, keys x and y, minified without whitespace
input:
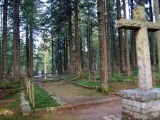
{"x":140,"y":105}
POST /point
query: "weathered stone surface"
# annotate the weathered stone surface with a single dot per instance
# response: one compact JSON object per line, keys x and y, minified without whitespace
{"x":157,"y":90}
{"x":140,"y":116}
{"x":142,"y":103}
{"x":112,"y":117}
{"x":143,"y":59}
{"x":131,"y":108}
{"x":25,"y":103}
{"x":138,"y":109}
{"x":138,"y":13}
{"x":140,"y":95}
{"x":26,"y":109}
{"x":142,"y":45}
{"x":136,"y":24}
{"x":106,"y":118}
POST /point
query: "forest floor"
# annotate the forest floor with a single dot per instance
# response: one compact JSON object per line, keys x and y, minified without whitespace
{"x":80,"y":103}
{"x":88,"y":103}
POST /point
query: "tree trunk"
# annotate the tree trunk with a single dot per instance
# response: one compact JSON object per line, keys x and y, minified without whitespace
{"x":52,"y":57}
{"x":133,"y":42}
{"x":114,"y":60}
{"x":152,"y":37}
{"x":27,"y":49}
{"x":102,"y":45}
{"x":64,"y":54}
{"x":121,"y":43}
{"x":156,"y":12}
{"x":65,"y":47}
{"x":70,"y":38}
{"x":78,"y":51}
{"x":81,"y":48}
{"x":140,"y":3}
{"x":90,"y":61}
{"x":1,"y":41}
{"x":4,"y":44}
{"x":59,"y":57}
{"x":16,"y":42}
{"x":31,"y":51}
{"x":108,"y":38}
{"x":126,"y":32}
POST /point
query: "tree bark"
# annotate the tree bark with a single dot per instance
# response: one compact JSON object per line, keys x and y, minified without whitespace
{"x":140,"y":3}
{"x":156,"y":11}
{"x":78,"y":53}
{"x":1,"y":41}
{"x":102,"y":45}
{"x":31,"y":50}
{"x":121,"y":43}
{"x":27,"y":49}
{"x":52,"y":57}
{"x":107,"y":27}
{"x":113,"y":47}
{"x":126,"y":32}
{"x":133,"y":42}
{"x":90,"y":61}
{"x":59,"y":57}
{"x":65,"y":55}
{"x":70,"y":39}
{"x":152,"y":37}
{"x":4,"y":44}
{"x":16,"y":42}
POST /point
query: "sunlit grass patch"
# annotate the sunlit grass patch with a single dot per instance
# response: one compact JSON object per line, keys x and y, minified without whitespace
{"x":43,"y":99}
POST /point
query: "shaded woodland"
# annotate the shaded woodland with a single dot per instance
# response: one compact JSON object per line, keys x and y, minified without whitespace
{"x":78,"y":38}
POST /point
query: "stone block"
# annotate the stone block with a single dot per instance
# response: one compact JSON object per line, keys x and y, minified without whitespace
{"x":140,"y":116}
{"x":145,"y":96}
{"x":131,"y":108}
{"x":140,"y":95}
{"x":129,"y":112}
{"x":123,"y":94}
{"x":26,"y":109}
{"x":141,"y":105}
{"x":154,"y":109}
{"x":155,"y":114}
{"x":25,"y":103}
{"x":157,"y":91}
{"x":132,"y":103}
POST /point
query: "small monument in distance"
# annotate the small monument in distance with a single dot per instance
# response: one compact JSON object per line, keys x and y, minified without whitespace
{"x":142,"y":103}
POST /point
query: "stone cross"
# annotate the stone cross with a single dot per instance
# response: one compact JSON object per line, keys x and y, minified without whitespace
{"x":140,"y":24}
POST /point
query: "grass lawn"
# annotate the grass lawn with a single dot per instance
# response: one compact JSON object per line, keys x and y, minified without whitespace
{"x":43,"y":99}
{"x":14,"y":111}
{"x":55,"y":78}
{"x":87,"y":83}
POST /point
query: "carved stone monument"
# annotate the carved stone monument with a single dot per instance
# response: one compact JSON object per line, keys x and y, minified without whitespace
{"x":142,"y":103}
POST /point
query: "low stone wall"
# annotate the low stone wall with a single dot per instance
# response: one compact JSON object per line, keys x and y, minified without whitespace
{"x":25,"y":105}
{"x":140,"y":105}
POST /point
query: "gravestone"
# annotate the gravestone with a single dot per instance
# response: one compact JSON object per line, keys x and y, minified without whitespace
{"x":142,"y":103}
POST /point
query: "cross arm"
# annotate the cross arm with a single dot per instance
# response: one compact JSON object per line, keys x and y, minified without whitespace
{"x":136,"y":24}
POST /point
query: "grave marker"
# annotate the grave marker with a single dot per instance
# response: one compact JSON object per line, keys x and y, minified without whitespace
{"x":141,"y":103}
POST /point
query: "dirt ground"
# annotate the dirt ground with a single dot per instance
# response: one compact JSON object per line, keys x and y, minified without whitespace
{"x":85,"y":104}
{"x":93,"y":112}
{"x":74,"y":95}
